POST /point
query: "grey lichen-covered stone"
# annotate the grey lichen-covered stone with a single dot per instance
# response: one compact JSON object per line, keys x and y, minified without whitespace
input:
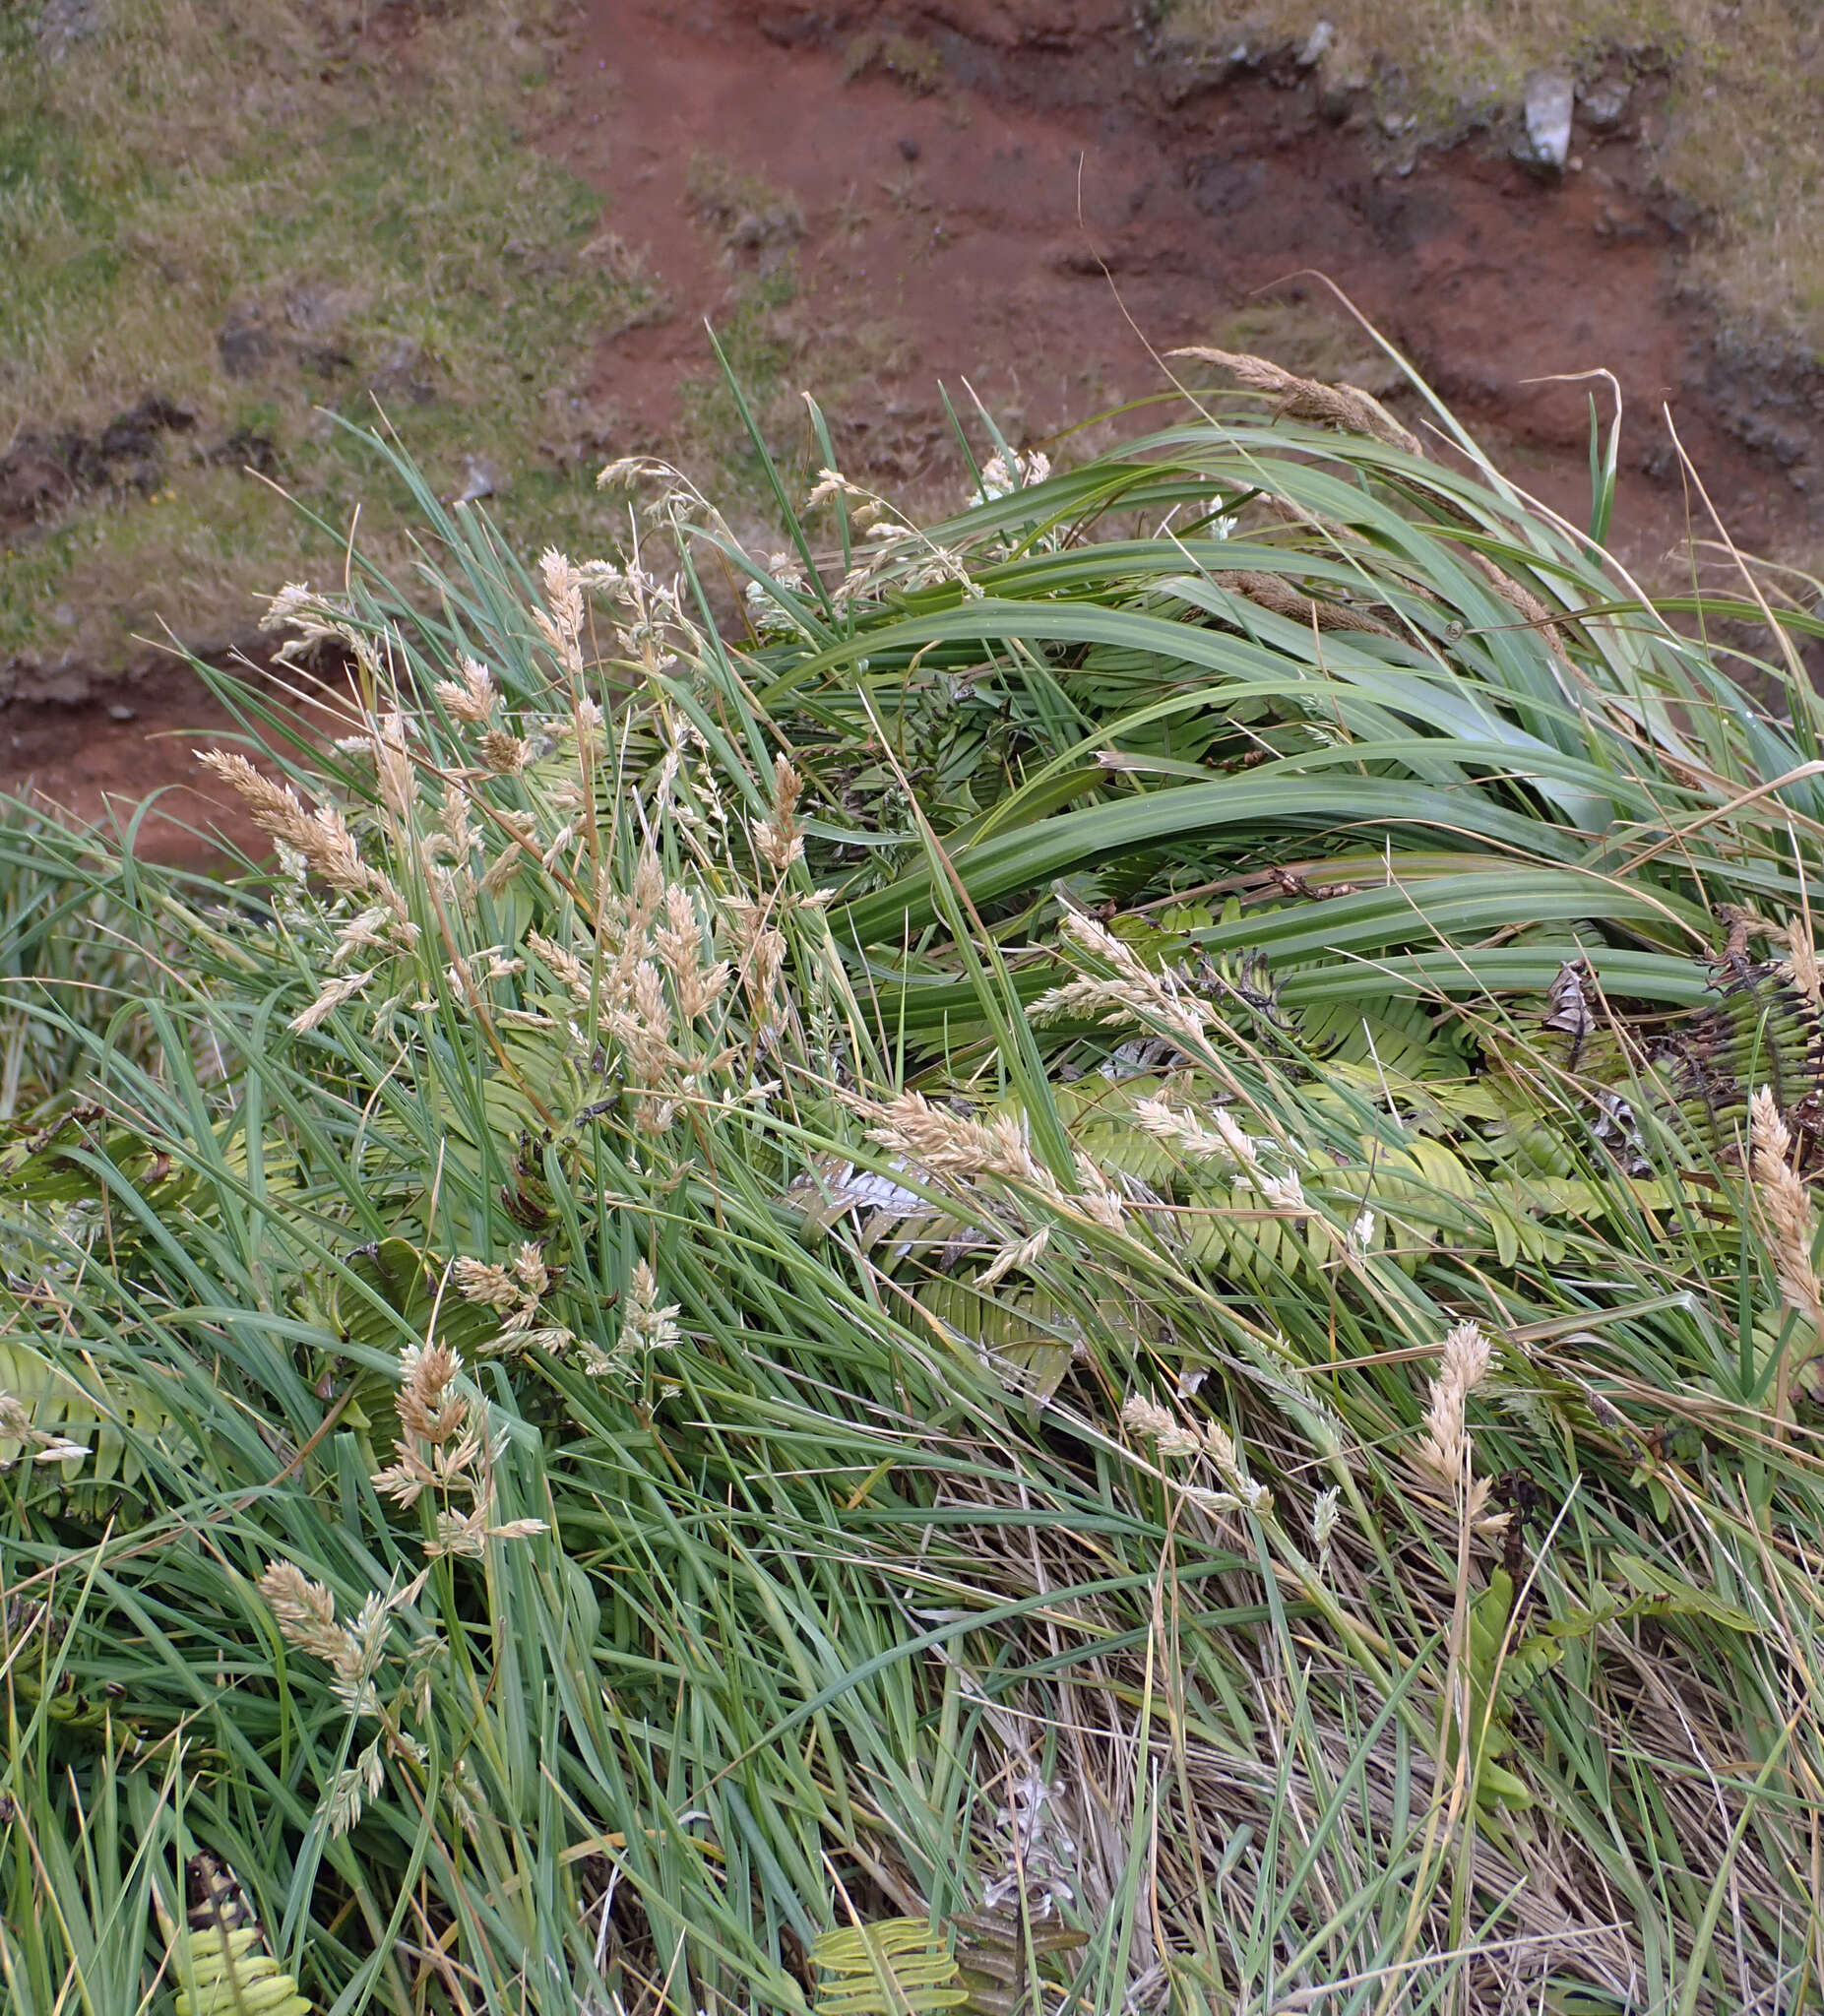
{"x":1317,"y":45}
{"x":1605,"y":104}
{"x":1549,"y":99}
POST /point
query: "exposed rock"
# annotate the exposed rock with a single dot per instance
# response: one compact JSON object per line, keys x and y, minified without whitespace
{"x":1221,"y":186}
{"x":33,"y":481}
{"x":480,"y":480}
{"x":247,"y":448}
{"x":1549,"y":101}
{"x":771,"y":225}
{"x":1317,"y":45}
{"x":1606,"y":105}
{"x":42,"y":473}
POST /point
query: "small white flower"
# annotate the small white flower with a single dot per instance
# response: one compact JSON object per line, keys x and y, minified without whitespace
{"x":1000,"y":477}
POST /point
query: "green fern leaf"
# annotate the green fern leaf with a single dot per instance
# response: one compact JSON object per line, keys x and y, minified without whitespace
{"x":1021,"y":1332}
{"x":221,"y":1960}
{"x":900,"y":1967}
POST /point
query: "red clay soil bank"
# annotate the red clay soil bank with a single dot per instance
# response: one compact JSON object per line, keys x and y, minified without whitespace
{"x":1027,"y":193}
{"x":97,"y":757}
{"x":1060,"y":196}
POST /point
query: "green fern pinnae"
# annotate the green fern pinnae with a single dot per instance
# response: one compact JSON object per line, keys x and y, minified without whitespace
{"x":1390,"y":1040}
{"x":1023,"y":1331}
{"x":98,"y":1422}
{"x":231,"y":1974}
{"x":899,"y":1967}
{"x":220,"y":1958}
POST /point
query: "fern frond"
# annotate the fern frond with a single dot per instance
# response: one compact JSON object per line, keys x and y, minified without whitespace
{"x":899,"y":1967}
{"x":220,"y":1959}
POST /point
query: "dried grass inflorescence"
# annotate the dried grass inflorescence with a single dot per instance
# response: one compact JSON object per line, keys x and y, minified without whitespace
{"x":958,"y":1150}
{"x":1131,"y":991}
{"x":649,"y":1330}
{"x":473,"y":696}
{"x":1789,"y":1228}
{"x":1446,"y":1453}
{"x":1179,"y":1440}
{"x":1305,"y":398}
{"x":323,"y":845}
{"x":1801,"y":965}
{"x":777,"y":836}
{"x":443,"y":1448}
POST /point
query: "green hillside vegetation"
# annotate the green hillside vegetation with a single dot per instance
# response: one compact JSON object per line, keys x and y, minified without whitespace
{"x":251,"y":215}
{"x":1080,"y":1276}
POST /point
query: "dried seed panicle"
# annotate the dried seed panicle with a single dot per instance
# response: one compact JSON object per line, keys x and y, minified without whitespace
{"x":1307,"y":398}
{"x":1800,"y":965}
{"x":320,"y":837}
{"x":562,"y":627}
{"x":503,"y":752}
{"x":473,"y":696}
{"x":1786,"y":1206}
{"x":777,"y":836}
{"x":1444,"y":1450}
{"x":1161,"y":1425}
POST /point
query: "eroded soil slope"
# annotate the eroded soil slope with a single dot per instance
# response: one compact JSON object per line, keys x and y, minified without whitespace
{"x":1028,"y":198}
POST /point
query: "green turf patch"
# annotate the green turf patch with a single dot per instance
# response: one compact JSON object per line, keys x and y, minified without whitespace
{"x":268,"y":216}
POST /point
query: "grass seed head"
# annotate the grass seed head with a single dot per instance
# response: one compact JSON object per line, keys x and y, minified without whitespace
{"x":1786,"y":1206}
{"x":473,"y":696}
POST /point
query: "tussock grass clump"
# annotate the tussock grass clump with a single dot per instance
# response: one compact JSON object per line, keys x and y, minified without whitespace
{"x":1029,"y":1282}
